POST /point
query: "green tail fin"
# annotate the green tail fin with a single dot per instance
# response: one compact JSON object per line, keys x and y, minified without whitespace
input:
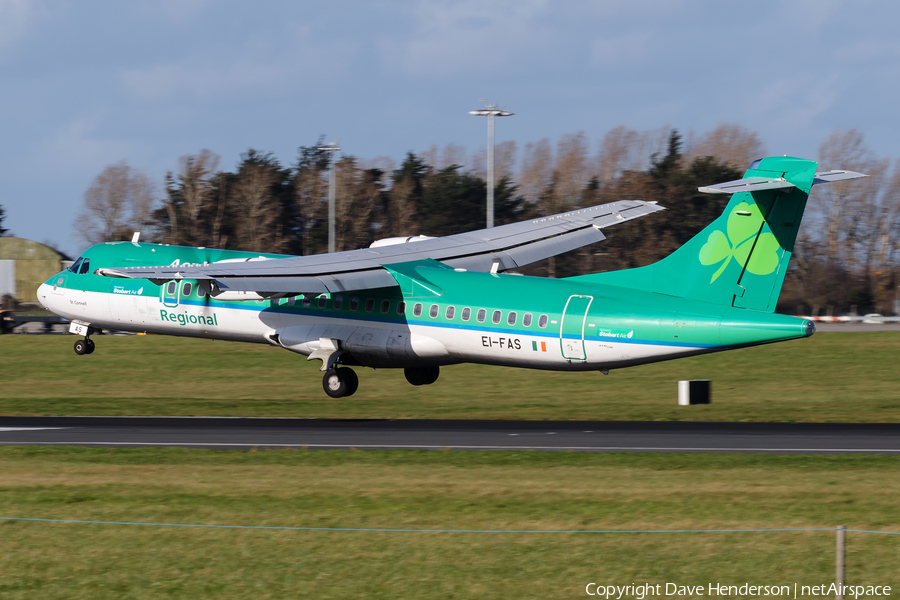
{"x":741,"y":258}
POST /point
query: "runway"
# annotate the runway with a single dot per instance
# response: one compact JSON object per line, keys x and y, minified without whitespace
{"x":579,"y":436}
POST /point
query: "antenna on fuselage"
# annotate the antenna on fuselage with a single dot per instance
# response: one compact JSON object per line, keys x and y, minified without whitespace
{"x":136,"y":237}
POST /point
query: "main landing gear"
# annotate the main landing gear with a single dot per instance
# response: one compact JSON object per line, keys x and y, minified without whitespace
{"x":85,"y":346}
{"x":422,"y":375}
{"x":339,"y":383}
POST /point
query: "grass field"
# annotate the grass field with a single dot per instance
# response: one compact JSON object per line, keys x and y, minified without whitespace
{"x":431,"y":490}
{"x":849,"y":377}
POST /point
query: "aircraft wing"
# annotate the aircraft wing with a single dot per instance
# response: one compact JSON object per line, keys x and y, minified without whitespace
{"x":495,"y":249}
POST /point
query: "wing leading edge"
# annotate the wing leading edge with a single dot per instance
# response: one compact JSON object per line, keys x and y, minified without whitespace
{"x":496,"y":249}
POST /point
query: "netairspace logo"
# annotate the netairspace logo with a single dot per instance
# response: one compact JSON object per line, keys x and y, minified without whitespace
{"x":745,"y":590}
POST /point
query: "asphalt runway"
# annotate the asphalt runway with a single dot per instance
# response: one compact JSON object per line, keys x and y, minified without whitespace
{"x":579,"y":436}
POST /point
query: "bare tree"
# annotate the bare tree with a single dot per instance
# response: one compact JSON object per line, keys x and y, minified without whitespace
{"x":618,"y":153}
{"x":570,"y":174}
{"x":537,"y":170}
{"x":254,"y":208}
{"x":311,"y":191}
{"x":196,"y":179}
{"x":838,"y":205}
{"x":847,"y":252}
{"x":430,"y":156}
{"x":623,"y":149}
{"x":119,"y":201}
{"x":357,"y":197}
{"x":505,"y":160}
{"x":728,"y":143}
{"x":452,"y":154}
{"x":402,"y":209}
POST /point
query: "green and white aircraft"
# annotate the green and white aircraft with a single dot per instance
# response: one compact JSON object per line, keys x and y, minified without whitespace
{"x":441,"y":301}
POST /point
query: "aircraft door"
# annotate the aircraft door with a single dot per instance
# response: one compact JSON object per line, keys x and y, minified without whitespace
{"x":169,"y":294}
{"x":571,"y":327}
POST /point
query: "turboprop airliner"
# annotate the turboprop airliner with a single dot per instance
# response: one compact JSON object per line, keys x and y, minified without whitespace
{"x":423,"y":303}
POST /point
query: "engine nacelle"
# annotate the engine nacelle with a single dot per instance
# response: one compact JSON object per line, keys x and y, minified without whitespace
{"x":370,"y":347}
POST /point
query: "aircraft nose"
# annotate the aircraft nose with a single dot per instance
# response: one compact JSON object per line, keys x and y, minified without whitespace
{"x":43,"y":294}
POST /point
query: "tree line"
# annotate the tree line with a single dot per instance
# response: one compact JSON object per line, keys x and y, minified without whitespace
{"x":846,"y":256}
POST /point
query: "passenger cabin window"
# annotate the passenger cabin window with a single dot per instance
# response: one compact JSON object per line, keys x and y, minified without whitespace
{"x":307,"y":301}
{"x":451,"y":310}
{"x":526,"y":320}
{"x":354,"y":303}
{"x":186,"y":288}
{"x":338,"y":302}
{"x":323,"y":300}
{"x":495,"y":318}
{"x":85,"y":266}
{"x":511,"y":319}
{"x":202,"y":292}
{"x":466,"y":313}
{"x":291,"y":300}
{"x":385,"y":306}
{"x":75,"y":265}
{"x":401,"y":307}
{"x":434,"y":311}
{"x":542,"y":322}
{"x":370,"y":305}
{"x":481,"y":315}
{"x":417,"y":309}
{"x":170,"y":288}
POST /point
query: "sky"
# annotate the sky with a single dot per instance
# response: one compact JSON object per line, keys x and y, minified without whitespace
{"x":85,"y":84}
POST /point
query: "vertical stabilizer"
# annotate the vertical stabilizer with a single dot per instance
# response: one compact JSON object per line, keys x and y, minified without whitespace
{"x":740,"y":259}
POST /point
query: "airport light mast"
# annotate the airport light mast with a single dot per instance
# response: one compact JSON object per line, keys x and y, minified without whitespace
{"x":490,"y":111}
{"x":331,"y":148}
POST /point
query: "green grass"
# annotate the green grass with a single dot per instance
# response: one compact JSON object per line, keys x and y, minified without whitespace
{"x":829,"y":377}
{"x":431,"y":490}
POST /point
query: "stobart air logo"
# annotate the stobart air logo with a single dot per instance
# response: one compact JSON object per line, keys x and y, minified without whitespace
{"x":743,"y":225}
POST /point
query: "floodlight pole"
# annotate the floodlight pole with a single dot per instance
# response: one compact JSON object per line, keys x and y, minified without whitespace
{"x":490,"y":111}
{"x":332,"y":148}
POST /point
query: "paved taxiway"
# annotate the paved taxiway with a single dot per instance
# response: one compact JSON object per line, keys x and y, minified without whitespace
{"x":583,"y":436}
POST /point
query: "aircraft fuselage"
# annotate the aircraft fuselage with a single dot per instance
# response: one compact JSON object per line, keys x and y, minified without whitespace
{"x":496,"y":319}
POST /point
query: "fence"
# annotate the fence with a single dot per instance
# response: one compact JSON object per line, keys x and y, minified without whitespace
{"x":840,"y":547}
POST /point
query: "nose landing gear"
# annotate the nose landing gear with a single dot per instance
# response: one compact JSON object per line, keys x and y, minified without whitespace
{"x":339,"y":383}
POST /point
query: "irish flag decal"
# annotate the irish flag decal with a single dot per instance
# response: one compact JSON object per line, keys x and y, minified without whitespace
{"x":542,"y":348}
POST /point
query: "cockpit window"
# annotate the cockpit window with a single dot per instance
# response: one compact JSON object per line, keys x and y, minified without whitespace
{"x":85,"y":266}
{"x":76,"y":264}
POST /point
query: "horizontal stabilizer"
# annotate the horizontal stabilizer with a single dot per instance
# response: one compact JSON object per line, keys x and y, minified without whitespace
{"x":830,"y":176}
{"x":757,"y":184}
{"x":748,"y":184}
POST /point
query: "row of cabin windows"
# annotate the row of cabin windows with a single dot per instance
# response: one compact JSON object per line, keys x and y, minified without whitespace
{"x":433,"y":311}
{"x":338,"y":303}
{"x":450,"y":312}
{"x":480,"y":316}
